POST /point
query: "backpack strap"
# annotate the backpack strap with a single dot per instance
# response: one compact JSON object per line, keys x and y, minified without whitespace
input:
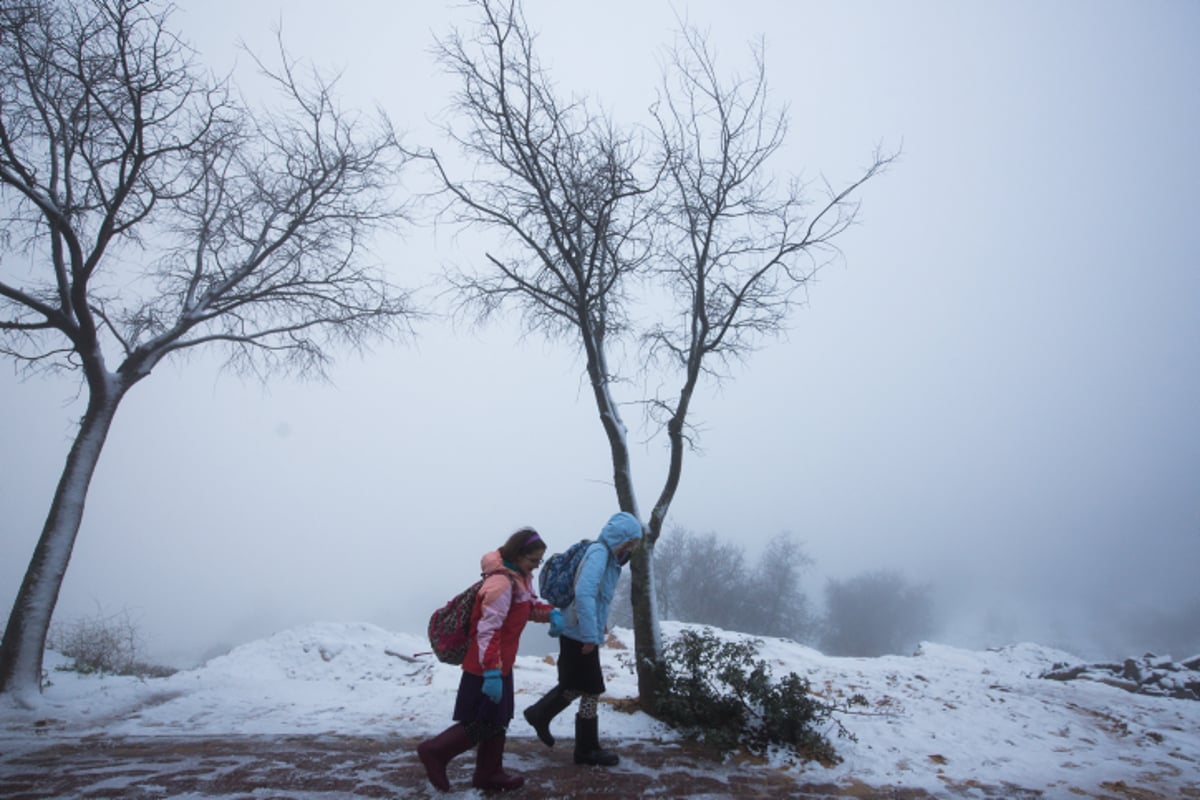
{"x":579,"y":566}
{"x":611,"y":554}
{"x":512,"y":582}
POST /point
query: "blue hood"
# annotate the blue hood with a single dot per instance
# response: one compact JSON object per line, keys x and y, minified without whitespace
{"x":620,"y":528}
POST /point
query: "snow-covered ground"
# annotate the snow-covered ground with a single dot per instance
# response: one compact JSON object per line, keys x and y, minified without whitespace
{"x":943,"y":716}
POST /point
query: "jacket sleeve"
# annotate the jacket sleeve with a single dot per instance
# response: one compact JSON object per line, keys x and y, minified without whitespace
{"x":495,"y":599}
{"x":587,"y":594}
{"x":540,"y":612}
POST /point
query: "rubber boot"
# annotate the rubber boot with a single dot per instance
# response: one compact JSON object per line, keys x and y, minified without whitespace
{"x":587,"y":744}
{"x":540,"y":713}
{"x":436,"y":753}
{"x":489,"y":768}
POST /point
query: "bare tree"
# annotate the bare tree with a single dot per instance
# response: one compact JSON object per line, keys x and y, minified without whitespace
{"x":734,"y":248}
{"x":560,"y":182}
{"x":785,"y":610}
{"x":147,"y":211}
{"x":670,"y":556}
{"x":587,"y":208}
{"x":711,"y":581}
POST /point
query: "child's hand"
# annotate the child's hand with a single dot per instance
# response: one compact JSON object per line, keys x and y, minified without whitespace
{"x":493,"y":686}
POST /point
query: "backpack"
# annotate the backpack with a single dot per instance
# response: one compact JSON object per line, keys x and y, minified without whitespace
{"x":556,"y":583}
{"x":450,"y":626}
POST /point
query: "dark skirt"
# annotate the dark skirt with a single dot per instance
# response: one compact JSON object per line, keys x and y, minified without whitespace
{"x":472,"y":705}
{"x":577,"y":670}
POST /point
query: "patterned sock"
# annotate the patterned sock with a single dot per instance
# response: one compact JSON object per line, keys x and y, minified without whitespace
{"x":478,"y":731}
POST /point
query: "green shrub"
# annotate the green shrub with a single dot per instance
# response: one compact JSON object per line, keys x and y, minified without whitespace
{"x":719,"y":692}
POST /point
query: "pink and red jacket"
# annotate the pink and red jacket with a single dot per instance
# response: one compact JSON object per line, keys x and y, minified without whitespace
{"x":502,"y":608}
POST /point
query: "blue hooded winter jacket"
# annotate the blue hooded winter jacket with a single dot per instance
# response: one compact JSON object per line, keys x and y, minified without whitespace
{"x":586,"y":619}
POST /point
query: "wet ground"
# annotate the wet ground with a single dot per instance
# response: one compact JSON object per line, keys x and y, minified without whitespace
{"x":306,"y":767}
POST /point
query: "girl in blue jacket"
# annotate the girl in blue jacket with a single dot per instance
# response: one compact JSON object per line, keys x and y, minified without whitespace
{"x":584,"y":630}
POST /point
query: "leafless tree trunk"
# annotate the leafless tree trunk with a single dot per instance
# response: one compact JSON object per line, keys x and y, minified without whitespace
{"x":587,"y":208}
{"x":161,"y":214}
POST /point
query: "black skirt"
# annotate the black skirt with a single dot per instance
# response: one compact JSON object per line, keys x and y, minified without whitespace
{"x":577,"y":670}
{"x":472,"y":705}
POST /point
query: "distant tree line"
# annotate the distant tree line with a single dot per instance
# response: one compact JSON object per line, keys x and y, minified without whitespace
{"x":705,"y":579}
{"x":875,"y":613}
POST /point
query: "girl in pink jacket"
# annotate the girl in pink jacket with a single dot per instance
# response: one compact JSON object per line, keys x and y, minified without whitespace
{"x":484,"y":704}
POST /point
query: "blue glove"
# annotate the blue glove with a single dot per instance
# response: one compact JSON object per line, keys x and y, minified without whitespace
{"x":555,"y":622}
{"x":493,"y":686}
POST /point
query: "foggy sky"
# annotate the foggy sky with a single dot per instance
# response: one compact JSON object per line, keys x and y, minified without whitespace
{"x":996,"y":391}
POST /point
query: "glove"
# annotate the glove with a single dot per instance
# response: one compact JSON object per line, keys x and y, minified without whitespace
{"x":555,"y":622}
{"x":493,"y":686}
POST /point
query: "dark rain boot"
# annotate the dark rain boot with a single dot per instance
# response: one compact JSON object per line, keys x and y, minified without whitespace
{"x":540,"y":713}
{"x":587,"y":744}
{"x":436,"y":753}
{"x":489,"y":768}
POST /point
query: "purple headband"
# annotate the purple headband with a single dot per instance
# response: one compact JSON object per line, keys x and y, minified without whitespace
{"x":533,"y":537}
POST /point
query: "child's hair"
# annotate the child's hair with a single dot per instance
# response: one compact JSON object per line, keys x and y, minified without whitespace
{"x":522,"y":543}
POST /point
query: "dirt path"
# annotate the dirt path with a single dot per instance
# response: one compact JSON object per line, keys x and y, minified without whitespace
{"x":306,"y":767}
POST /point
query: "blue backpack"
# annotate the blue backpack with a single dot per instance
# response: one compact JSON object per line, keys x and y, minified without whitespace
{"x":556,"y":583}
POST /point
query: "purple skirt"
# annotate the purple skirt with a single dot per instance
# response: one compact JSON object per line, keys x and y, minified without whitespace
{"x":472,"y":705}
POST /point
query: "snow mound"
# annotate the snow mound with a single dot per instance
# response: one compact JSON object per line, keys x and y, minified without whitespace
{"x":323,"y":652}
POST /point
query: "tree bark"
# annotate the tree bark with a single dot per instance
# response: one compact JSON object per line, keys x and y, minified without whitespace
{"x":28,"y":624}
{"x":646,"y":630}
{"x":647,"y":633}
